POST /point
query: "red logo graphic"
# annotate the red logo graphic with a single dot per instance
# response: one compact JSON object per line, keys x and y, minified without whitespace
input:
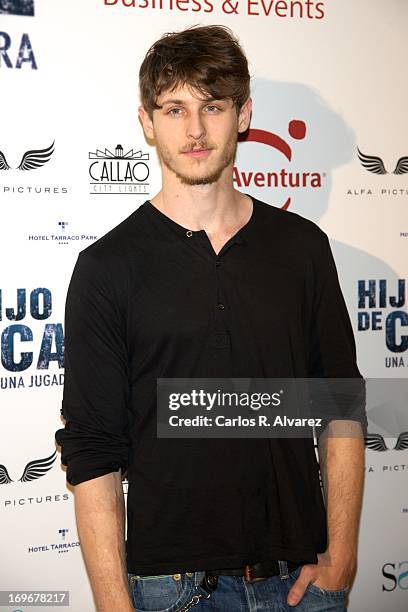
{"x":283,"y":177}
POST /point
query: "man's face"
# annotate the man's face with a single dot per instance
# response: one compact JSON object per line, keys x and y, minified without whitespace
{"x":196,"y":138}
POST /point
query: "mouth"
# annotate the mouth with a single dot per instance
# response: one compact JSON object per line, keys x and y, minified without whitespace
{"x":198,"y":153}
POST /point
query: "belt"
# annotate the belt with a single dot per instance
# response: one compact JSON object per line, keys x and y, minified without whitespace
{"x":255,"y":571}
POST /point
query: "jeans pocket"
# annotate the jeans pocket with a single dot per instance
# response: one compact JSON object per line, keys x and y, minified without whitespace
{"x":312,"y":588}
{"x":316,"y":590}
{"x":162,"y":593}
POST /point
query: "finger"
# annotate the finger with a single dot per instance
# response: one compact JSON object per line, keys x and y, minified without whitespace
{"x":299,"y":587}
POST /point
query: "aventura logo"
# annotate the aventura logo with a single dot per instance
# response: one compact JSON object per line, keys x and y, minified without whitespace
{"x":118,"y":172}
{"x":17,"y":7}
{"x":284,"y":177}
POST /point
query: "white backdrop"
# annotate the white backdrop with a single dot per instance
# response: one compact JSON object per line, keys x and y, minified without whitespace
{"x":329,"y":79}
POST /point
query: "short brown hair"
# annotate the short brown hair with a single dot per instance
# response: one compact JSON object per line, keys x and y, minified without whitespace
{"x":207,"y":58}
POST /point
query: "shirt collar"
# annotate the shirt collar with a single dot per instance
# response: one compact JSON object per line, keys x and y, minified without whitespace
{"x":240,"y":237}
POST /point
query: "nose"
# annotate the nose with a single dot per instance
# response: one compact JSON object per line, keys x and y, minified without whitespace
{"x":195,"y":126}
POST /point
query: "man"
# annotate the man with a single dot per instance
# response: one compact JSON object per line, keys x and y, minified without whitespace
{"x":203,"y":281}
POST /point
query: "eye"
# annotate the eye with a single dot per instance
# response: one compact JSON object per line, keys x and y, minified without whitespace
{"x":174,"y":111}
{"x":213,"y":108}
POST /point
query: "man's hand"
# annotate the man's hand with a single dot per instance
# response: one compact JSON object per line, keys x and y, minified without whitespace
{"x":326,"y":574}
{"x":341,"y":452}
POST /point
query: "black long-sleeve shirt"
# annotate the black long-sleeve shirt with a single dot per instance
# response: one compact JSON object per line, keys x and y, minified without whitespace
{"x":151,"y":299}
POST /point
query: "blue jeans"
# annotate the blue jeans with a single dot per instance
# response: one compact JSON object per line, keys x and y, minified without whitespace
{"x":170,"y":593}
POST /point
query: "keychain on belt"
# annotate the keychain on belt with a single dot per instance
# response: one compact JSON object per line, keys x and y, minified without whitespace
{"x":209,"y":584}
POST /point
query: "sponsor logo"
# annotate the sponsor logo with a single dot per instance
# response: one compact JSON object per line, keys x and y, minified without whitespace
{"x":375,"y":165}
{"x":285,"y":177}
{"x":376,"y":442}
{"x":118,"y":172}
{"x":23,"y":502}
{"x":63,"y":532}
{"x":63,"y":546}
{"x":62,"y":236}
{"x":396,"y":576}
{"x":17,"y":7}
{"x":31,"y":160}
{"x":16,"y":54}
{"x":33,"y":470}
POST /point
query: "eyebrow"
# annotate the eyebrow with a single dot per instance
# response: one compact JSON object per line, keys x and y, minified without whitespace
{"x":174,"y":101}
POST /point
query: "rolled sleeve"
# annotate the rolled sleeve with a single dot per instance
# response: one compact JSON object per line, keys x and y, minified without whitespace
{"x":333,"y":348}
{"x":94,"y":440}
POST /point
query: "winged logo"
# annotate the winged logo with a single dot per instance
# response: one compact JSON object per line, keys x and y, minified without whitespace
{"x":31,"y":160}
{"x":402,"y":166}
{"x":33,"y":470}
{"x":376,"y":165}
{"x":4,"y":475}
{"x":36,"y":158}
{"x":376,"y":442}
{"x":3,"y":162}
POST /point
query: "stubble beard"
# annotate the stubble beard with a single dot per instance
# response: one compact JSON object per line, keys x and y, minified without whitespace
{"x":228,"y":156}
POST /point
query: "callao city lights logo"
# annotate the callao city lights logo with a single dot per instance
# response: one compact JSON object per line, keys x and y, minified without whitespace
{"x":119,"y":171}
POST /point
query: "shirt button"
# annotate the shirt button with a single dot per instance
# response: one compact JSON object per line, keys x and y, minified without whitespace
{"x":217,"y":263}
{"x":220,"y":306}
{"x":189,"y":233}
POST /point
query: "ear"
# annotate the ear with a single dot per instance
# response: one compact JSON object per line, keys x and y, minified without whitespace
{"x":244,"y":117}
{"x":146,"y":122}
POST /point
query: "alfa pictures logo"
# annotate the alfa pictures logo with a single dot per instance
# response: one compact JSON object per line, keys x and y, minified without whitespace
{"x":391,"y":179}
{"x":17,"y":7}
{"x":32,"y":471}
{"x":376,"y":442}
{"x":31,"y":160}
{"x":376,"y":165}
{"x":117,"y":172}
{"x":26,"y":167}
{"x":285,"y":177}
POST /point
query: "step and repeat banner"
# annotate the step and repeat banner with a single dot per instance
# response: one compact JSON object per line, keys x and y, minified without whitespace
{"x":328,"y":140}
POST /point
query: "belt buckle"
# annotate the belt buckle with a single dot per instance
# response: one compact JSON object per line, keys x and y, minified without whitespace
{"x":248,"y":574}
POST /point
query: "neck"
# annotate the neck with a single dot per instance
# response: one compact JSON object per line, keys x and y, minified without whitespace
{"x":215,"y":208}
